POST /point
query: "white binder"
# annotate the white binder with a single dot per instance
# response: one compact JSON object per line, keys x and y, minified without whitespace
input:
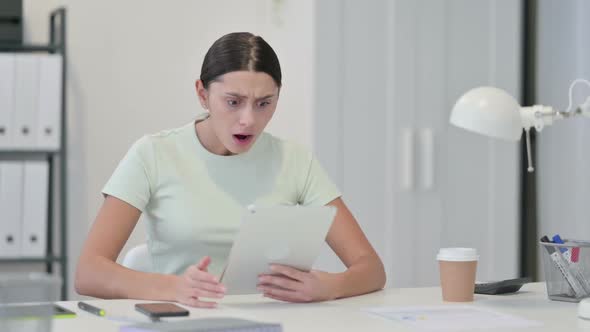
{"x":26,"y":100}
{"x":34,"y":221}
{"x":7,"y":69}
{"x":11,"y":185}
{"x":49,"y":110}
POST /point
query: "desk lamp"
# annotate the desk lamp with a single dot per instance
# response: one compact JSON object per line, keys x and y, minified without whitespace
{"x":493,"y":112}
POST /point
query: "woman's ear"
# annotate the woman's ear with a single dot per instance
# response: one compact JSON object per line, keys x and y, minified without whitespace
{"x":203,"y":94}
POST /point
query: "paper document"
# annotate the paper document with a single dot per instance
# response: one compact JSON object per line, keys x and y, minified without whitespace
{"x":450,"y":318}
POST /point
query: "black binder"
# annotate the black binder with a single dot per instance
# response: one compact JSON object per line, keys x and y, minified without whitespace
{"x":11,"y":21}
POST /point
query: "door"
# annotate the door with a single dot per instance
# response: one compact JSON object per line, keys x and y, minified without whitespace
{"x":388,"y":74}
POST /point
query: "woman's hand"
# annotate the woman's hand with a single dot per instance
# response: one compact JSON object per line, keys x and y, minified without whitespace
{"x":196,"y":283}
{"x":292,"y":285}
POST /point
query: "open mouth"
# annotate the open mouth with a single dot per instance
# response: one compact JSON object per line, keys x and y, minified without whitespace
{"x":243,"y":138}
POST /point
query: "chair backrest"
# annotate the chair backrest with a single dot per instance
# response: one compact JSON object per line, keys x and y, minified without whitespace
{"x":138,"y":258}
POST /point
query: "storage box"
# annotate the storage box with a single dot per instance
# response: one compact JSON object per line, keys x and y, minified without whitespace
{"x":27,"y":287}
{"x":11,"y":32}
{"x":567,"y":269}
{"x":11,"y":21}
{"x":11,"y":8}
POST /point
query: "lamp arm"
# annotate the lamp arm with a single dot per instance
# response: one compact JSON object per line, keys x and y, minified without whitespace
{"x":539,"y":116}
{"x":527,"y":132}
{"x":586,"y":103}
{"x":584,"y":108}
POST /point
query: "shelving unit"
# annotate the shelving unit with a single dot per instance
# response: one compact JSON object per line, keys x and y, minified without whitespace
{"x":57,"y":159}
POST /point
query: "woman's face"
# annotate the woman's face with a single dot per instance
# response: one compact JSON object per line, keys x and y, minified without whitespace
{"x":240,"y":105}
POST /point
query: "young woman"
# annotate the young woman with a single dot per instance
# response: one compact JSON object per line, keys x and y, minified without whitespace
{"x":193,"y":183}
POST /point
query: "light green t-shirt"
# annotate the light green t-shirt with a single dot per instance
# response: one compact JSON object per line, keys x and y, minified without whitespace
{"x":192,"y":200}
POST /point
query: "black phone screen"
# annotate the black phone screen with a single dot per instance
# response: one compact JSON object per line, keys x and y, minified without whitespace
{"x":162,"y":309}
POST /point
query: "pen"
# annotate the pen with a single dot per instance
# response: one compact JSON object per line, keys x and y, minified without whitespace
{"x":91,"y":309}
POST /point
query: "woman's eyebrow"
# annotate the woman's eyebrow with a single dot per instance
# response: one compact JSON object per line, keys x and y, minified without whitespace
{"x":233,"y":94}
{"x":266,"y":97}
{"x":237,"y":95}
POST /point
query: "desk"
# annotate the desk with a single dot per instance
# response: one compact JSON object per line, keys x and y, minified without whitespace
{"x":345,"y":314}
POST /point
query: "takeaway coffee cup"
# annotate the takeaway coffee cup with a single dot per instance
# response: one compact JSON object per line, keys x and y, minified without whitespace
{"x":457,"y":273}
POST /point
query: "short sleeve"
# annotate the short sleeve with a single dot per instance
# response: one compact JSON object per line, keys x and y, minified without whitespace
{"x":318,"y":188}
{"x":133,"y":178}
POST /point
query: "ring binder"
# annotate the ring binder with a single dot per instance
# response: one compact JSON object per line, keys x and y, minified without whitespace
{"x":40,"y":135}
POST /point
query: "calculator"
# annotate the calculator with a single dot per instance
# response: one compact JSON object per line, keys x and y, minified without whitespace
{"x":501,"y":287}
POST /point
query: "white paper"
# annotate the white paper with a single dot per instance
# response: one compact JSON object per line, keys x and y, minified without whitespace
{"x":450,"y":318}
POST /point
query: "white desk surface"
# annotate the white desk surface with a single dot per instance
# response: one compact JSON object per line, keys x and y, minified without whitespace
{"x":345,"y":314}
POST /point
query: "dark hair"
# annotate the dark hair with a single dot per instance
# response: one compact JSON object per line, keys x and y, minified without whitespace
{"x":240,"y":51}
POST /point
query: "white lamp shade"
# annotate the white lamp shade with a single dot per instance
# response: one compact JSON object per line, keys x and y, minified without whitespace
{"x":488,"y":111}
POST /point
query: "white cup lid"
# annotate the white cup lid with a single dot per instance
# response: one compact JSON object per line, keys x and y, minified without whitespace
{"x":457,"y":254}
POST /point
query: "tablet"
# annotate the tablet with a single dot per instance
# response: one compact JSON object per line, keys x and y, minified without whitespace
{"x":287,"y":235}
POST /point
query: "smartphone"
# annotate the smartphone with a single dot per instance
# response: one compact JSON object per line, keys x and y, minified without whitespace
{"x":161,"y":309}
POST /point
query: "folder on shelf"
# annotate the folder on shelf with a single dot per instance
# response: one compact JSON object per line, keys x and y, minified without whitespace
{"x":34,"y":216}
{"x":26,"y":100}
{"x":49,"y":110}
{"x":11,"y":194}
{"x":7,"y":69}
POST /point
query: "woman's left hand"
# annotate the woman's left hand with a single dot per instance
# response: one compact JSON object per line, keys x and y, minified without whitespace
{"x":292,"y":285}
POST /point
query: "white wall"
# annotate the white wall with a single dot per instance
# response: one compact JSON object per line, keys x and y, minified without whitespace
{"x":563,"y":159}
{"x":132,"y":67}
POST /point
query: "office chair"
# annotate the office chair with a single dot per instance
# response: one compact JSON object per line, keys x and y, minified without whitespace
{"x":138,"y":258}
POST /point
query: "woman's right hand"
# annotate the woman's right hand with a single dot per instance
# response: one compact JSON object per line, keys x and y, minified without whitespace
{"x":196,"y":283}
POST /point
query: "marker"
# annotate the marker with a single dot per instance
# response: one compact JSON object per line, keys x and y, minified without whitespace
{"x":557,"y":239}
{"x":91,"y":309}
{"x":572,"y":255}
{"x":575,"y":254}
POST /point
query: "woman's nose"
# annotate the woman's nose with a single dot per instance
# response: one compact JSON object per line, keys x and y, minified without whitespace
{"x":247,"y":117}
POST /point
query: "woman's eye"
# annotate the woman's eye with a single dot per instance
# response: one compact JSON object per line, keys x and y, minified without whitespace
{"x":264,"y":103}
{"x":232,"y":102}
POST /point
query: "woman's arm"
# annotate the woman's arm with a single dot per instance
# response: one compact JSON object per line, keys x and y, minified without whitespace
{"x":364,"y":274}
{"x":99,"y":275}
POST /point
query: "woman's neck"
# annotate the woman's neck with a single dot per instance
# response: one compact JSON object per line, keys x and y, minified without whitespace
{"x":209,"y":140}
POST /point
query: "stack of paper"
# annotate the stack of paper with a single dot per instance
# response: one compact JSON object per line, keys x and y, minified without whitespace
{"x":451,"y":318}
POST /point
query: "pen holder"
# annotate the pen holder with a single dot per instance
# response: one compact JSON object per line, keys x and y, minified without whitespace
{"x":567,"y":269}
